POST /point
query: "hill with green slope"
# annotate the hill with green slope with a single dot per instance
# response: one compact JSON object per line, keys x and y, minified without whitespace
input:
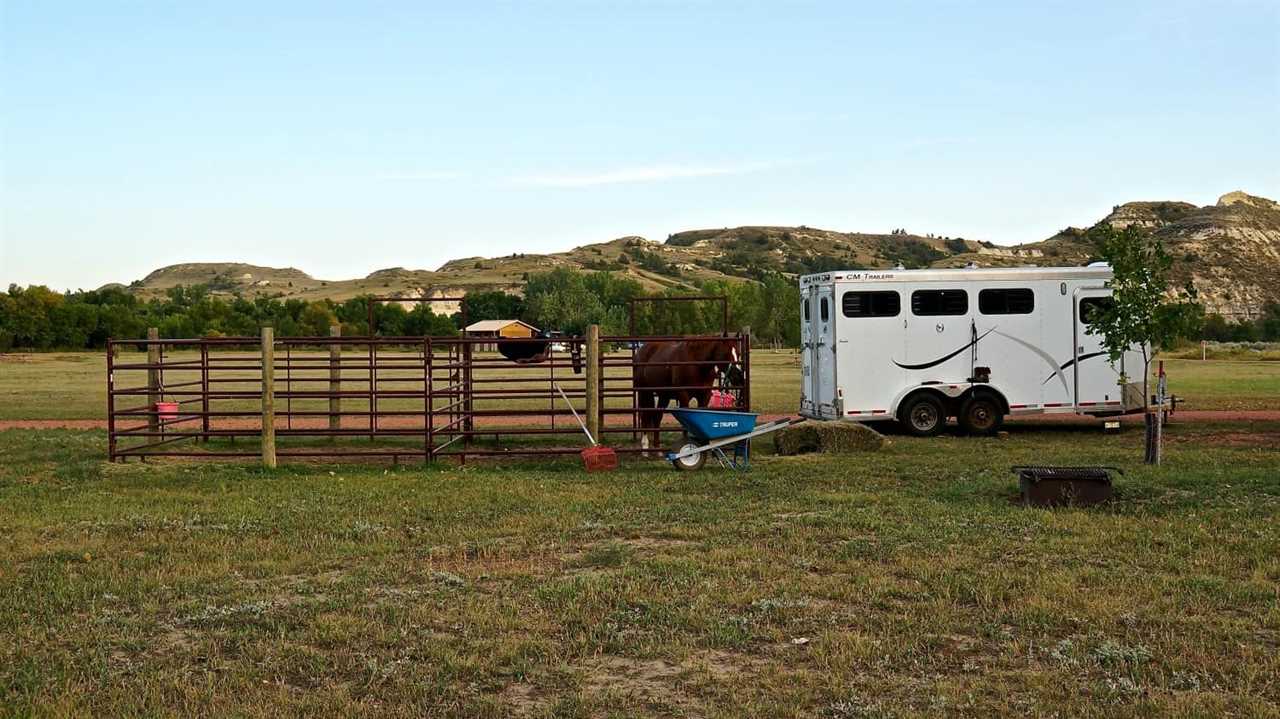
{"x":1229,"y":250}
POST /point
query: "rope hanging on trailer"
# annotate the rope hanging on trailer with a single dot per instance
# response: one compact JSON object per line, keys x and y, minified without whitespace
{"x":973,"y":352}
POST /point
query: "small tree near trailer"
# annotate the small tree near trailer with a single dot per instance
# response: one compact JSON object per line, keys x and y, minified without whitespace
{"x":1144,"y":309}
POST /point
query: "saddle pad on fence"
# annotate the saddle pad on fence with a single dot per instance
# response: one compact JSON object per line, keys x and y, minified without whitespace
{"x":721,"y":400}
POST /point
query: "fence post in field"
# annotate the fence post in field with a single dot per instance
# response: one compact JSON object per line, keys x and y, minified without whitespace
{"x":335,"y":381}
{"x":268,"y":398}
{"x":204,"y":391}
{"x":153,"y":379}
{"x":592,"y":381}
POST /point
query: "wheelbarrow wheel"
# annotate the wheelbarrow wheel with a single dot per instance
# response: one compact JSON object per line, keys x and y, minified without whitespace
{"x":690,"y":462}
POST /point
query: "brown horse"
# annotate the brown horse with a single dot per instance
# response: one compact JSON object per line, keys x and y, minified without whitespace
{"x":660,"y":377}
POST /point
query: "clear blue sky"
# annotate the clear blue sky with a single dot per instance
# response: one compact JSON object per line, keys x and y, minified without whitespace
{"x":341,"y":138}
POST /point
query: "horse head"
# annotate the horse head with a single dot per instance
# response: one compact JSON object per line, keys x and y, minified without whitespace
{"x":728,"y":363}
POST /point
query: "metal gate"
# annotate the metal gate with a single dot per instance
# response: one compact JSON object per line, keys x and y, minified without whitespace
{"x":395,"y":398}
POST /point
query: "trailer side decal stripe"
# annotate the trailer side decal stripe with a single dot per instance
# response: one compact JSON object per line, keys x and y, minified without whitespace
{"x":1043,"y":355}
{"x":927,"y":365}
{"x":1072,"y":361}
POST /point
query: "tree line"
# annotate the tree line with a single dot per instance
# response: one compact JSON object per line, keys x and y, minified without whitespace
{"x":565,"y":300}
{"x":1264,"y":328}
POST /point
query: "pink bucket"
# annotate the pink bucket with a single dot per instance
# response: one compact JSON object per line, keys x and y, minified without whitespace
{"x":167,"y":410}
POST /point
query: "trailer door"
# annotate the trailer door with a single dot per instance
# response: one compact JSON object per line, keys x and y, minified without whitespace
{"x":822,"y":352}
{"x":1092,"y":374}
{"x":807,"y":407}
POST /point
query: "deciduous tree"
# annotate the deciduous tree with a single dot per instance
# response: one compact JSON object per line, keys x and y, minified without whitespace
{"x":1145,"y":311}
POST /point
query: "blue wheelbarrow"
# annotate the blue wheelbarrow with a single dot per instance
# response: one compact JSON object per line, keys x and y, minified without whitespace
{"x":713,"y":431}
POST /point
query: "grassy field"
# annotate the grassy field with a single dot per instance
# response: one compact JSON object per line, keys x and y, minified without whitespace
{"x":1248,"y":351}
{"x":73,"y":385}
{"x":906,"y":582}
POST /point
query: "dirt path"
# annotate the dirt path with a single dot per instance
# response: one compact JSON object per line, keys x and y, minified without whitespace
{"x":1182,"y":417}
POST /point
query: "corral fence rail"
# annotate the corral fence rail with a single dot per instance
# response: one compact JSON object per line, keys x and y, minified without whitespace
{"x":396,"y":398}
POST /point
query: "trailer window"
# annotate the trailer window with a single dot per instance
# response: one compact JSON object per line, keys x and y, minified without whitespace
{"x":1090,"y":306}
{"x":824,"y":309}
{"x":871,"y":304}
{"x":1018,"y":301}
{"x":806,"y":309}
{"x":928,"y":303}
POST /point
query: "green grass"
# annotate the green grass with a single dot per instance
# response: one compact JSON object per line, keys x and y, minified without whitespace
{"x":73,"y":385}
{"x":901,"y":583}
{"x":1226,"y":384}
{"x":61,"y":385}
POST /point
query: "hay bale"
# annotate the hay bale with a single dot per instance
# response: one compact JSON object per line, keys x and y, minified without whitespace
{"x":797,"y":439}
{"x":833,"y":437}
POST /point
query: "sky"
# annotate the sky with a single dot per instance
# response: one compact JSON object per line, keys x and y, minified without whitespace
{"x":341,"y":138}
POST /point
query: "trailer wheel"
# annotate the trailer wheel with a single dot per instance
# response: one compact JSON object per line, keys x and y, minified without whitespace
{"x":923,"y":415}
{"x":981,"y":415}
{"x":691,"y":462}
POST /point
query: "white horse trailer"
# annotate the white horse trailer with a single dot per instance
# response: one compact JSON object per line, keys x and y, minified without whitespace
{"x":976,"y":344}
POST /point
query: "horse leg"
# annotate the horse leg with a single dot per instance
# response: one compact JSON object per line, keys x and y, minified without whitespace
{"x":646,"y":401}
{"x":661,"y":405}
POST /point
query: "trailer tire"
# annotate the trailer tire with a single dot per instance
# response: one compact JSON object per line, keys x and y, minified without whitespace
{"x":923,"y":415}
{"x":981,"y":414}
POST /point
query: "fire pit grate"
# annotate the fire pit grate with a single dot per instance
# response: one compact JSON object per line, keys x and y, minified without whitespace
{"x":1045,"y":486}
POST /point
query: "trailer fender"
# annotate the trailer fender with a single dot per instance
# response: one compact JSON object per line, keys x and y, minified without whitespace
{"x":988,"y":390}
{"x":936,"y":390}
{"x":952,"y":394}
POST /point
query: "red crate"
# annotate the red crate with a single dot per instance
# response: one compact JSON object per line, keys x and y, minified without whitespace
{"x":599,"y":459}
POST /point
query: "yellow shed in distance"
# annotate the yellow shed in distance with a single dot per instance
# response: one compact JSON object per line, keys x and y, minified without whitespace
{"x":498,"y":329}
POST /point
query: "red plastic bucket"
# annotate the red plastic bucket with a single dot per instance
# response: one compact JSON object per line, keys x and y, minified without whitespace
{"x":167,"y":410}
{"x":599,"y":459}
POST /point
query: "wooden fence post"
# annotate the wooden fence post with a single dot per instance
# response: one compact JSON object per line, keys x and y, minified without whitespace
{"x":592,"y":381}
{"x":268,"y":398}
{"x":153,"y":379}
{"x":335,"y":381}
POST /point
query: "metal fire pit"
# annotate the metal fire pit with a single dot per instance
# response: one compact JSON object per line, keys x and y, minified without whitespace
{"x":1065,"y":486}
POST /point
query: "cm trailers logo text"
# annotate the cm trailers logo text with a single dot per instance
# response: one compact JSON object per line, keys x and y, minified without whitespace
{"x":818,"y":279}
